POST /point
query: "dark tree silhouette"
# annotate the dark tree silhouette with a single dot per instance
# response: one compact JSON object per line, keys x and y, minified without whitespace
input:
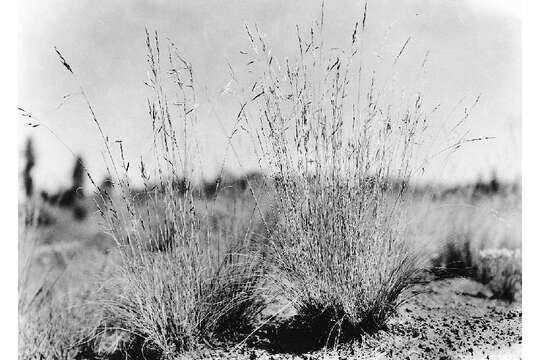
{"x":494,"y":184}
{"x":78,"y":175}
{"x":79,"y":172}
{"x":30,"y":162}
{"x":72,"y":197}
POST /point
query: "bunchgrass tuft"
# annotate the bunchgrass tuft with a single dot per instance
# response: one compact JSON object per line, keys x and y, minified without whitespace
{"x":337,"y":145}
{"x":178,"y":285}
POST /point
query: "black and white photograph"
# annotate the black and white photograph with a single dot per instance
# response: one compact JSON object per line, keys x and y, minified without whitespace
{"x":267,"y":180}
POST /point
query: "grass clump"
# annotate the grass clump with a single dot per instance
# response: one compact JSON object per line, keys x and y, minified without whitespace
{"x":336,"y":253}
{"x":56,"y":316}
{"x":500,"y":269}
{"x":177,"y":285}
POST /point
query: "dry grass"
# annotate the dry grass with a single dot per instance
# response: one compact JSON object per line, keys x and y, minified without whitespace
{"x":192,"y":271}
{"x":56,"y":308}
{"x":467,"y":233}
{"x":337,"y":253}
{"x":178,"y":285}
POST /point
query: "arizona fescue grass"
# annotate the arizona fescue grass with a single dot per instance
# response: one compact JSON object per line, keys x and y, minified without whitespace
{"x":179,"y":285}
{"x":337,"y":254}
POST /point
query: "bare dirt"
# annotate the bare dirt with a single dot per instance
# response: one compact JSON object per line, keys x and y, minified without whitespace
{"x":450,"y":319}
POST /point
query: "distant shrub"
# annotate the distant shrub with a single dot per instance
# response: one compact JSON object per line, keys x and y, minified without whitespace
{"x":457,"y":255}
{"x":72,"y":197}
{"x":229,"y":184}
{"x":37,"y":215}
{"x":480,"y":241}
{"x":489,"y":188}
{"x":79,"y":212}
{"x":500,"y":269}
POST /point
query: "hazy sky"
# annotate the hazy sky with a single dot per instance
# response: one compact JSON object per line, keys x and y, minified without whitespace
{"x":474,"y":48}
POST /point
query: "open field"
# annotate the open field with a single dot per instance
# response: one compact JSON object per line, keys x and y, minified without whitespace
{"x":455,"y":314}
{"x":330,"y":249}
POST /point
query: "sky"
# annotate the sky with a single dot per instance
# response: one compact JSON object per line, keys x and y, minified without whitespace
{"x":474,"y":48}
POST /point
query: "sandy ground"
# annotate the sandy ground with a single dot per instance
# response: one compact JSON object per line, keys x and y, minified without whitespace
{"x":452,"y":319}
{"x":512,"y":352}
